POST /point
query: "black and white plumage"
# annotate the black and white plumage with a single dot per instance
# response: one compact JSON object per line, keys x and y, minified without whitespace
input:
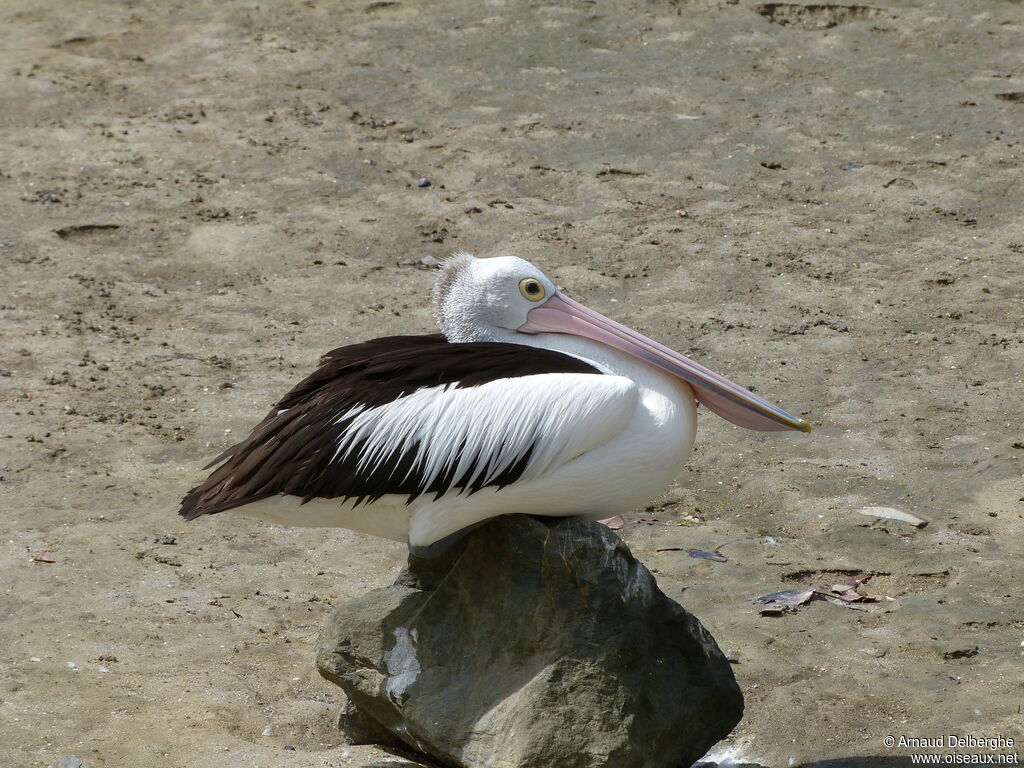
{"x":518,"y":406}
{"x":335,"y":436}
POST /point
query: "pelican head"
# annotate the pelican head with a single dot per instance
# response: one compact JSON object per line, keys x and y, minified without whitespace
{"x":502,"y":298}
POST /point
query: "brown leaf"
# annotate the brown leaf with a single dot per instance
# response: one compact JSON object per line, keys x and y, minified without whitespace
{"x":847,"y":590}
{"x":616,"y":523}
{"x":853,"y":583}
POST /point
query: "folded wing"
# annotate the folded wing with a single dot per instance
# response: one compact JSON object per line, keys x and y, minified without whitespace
{"x":416,"y":415}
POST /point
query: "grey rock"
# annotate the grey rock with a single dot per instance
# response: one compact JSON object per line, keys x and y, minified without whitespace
{"x":70,"y":762}
{"x":532,"y":643}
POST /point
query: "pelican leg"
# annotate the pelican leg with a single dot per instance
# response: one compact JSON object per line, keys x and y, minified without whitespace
{"x":443,"y":546}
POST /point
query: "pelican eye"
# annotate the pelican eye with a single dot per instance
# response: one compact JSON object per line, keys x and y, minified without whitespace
{"x":531,"y":288}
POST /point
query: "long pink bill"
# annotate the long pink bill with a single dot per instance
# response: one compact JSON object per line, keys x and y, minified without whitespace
{"x":560,"y":314}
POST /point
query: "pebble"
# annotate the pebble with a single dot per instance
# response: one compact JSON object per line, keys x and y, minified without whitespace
{"x":70,"y":762}
{"x":423,"y":183}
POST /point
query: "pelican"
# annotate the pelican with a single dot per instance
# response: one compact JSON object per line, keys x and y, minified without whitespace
{"x":525,"y":402}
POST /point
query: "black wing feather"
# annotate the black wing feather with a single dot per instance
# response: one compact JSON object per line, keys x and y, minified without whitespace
{"x":292,"y":451}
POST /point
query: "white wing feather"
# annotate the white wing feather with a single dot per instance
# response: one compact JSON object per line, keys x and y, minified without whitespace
{"x":486,"y":429}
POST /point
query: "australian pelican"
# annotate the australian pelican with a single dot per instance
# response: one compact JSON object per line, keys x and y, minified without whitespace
{"x":526,"y":402}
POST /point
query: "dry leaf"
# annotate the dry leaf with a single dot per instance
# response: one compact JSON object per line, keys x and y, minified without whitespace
{"x":848,"y":584}
{"x":847,"y":590}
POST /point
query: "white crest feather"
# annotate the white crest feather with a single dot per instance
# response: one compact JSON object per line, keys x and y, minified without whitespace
{"x":451,"y":270}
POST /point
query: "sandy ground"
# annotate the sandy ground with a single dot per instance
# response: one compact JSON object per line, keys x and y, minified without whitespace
{"x":198,"y":198}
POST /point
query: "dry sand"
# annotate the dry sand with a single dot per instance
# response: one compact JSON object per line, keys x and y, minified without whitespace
{"x":201,"y":197}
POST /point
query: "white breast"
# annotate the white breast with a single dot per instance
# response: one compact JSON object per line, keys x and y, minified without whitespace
{"x":626,"y":472}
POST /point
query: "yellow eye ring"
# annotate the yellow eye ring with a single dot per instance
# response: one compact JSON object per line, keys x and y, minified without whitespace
{"x":531,"y":288}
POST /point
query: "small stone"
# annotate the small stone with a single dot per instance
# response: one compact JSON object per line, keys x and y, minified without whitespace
{"x":70,"y":762}
{"x":423,"y":183}
{"x":165,"y":540}
{"x":850,"y":166}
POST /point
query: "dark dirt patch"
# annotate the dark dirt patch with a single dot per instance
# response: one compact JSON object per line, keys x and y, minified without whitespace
{"x":86,"y":231}
{"x":817,"y":16}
